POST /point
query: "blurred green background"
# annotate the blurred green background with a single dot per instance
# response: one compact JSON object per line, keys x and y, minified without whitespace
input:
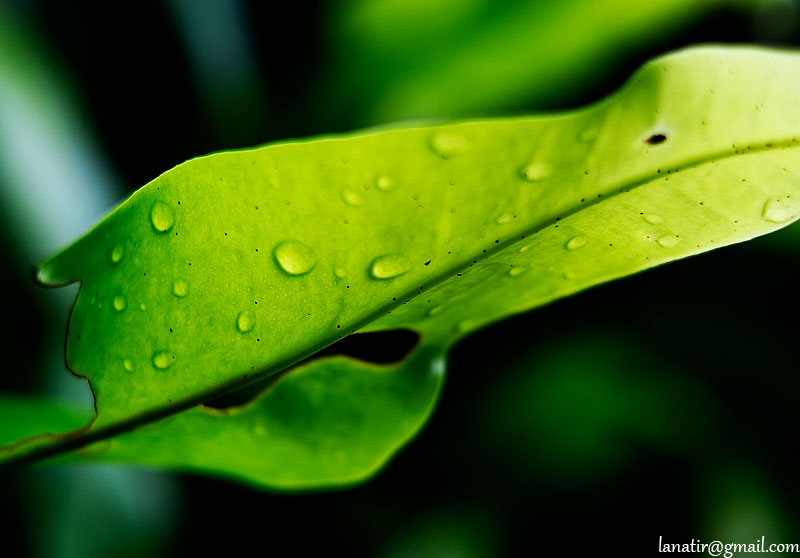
{"x":660,"y":405}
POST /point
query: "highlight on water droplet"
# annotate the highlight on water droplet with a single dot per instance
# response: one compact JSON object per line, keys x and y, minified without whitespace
{"x":120,"y":303}
{"x":503,"y":219}
{"x":294,"y":257}
{"x":163,"y":359}
{"x":351,"y":198}
{"x":653,"y":219}
{"x":180,"y":288}
{"x":245,"y":321}
{"x":516,"y":271}
{"x":448,"y":144}
{"x":384,"y":183}
{"x":576,"y":242}
{"x":780,"y":210}
{"x":536,"y":171}
{"x":117,"y":253}
{"x":388,"y":266}
{"x":162,"y":217}
{"x":128,"y":365}
{"x":668,"y":241}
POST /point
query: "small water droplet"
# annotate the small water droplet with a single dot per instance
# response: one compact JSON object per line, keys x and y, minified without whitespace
{"x":525,"y":248}
{"x":435,"y":310}
{"x":259,"y":430}
{"x":389,"y":266}
{"x":668,"y":241}
{"x":780,"y":210}
{"x":162,"y":217}
{"x":576,"y":242}
{"x":516,"y":271}
{"x":384,"y":183}
{"x":294,"y":257}
{"x":504,"y":219}
{"x":537,"y":171}
{"x":653,"y":219}
{"x":128,"y":365}
{"x":589,"y":134}
{"x":351,"y":198}
{"x":142,"y":307}
{"x":340,"y":272}
{"x":120,"y":303}
{"x":570,"y":274}
{"x":448,"y":144}
{"x":245,"y":321}
{"x":180,"y":288}
{"x":117,"y":253}
{"x":163,"y":359}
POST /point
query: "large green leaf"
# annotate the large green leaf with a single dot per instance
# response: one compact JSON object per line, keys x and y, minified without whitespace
{"x":232,"y":267}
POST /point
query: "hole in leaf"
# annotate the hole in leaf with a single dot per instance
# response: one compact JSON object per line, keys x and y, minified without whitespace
{"x":380,"y":347}
{"x":656,"y":139}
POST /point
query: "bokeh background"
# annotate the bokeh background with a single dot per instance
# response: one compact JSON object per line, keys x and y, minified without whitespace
{"x":660,"y":405}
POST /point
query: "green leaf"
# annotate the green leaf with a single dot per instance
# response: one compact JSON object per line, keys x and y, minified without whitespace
{"x":24,"y":416}
{"x":235,"y":266}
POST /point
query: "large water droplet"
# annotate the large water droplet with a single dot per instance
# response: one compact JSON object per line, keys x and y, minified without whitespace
{"x":163,"y":359}
{"x":576,"y":242}
{"x":384,"y":183}
{"x":389,"y":266}
{"x":653,"y":219}
{"x":245,"y":321}
{"x":537,"y":171}
{"x":128,"y":365}
{"x":294,"y":257}
{"x":448,"y":144}
{"x":180,"y":288}
{"x":516,"y":271}
{"x":668,"y":241}
{"x":351,"y":198}
{"x":162,"y":217}
{"x":503,"y":219}
{"x":120,"y":303}
{"x":117,"y":253}
{"x":780,"y":210}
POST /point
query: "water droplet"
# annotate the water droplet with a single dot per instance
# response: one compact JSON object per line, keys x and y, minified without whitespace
{"x":668,"y":241}
{"x":537,"y":171}
{"x":570,"y":274}
{"x":128,"y":365}
{"x":589,"y":134}
{"x":117,"y":253}
{"x":384,"y":183}
{"x":340,"y":272}
{"x":447,"y":144}
{"x":120,"y":303}
{"x":142,"y":307}
{"x":524,"y":248}
{"x":780,"y":210}
{"x":162,"y":217}
{"x":351,"y":198}
{"x":294,"y":257}
{"x":504,"y":219}
{"x":180,"y":288}
{"x":245,"y":321}
{"x":576,"y":242}
{"x":389,"y":266}
{"x":516,"y":271}
{"x":259,"y":430}
{"x":435,"y":310}
{"x":653,"y":219}
{"x":163,"y":359}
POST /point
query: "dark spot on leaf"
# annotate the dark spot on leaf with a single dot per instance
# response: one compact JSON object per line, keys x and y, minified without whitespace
{"x":656,"y":139}
{"x":428,"y":262}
